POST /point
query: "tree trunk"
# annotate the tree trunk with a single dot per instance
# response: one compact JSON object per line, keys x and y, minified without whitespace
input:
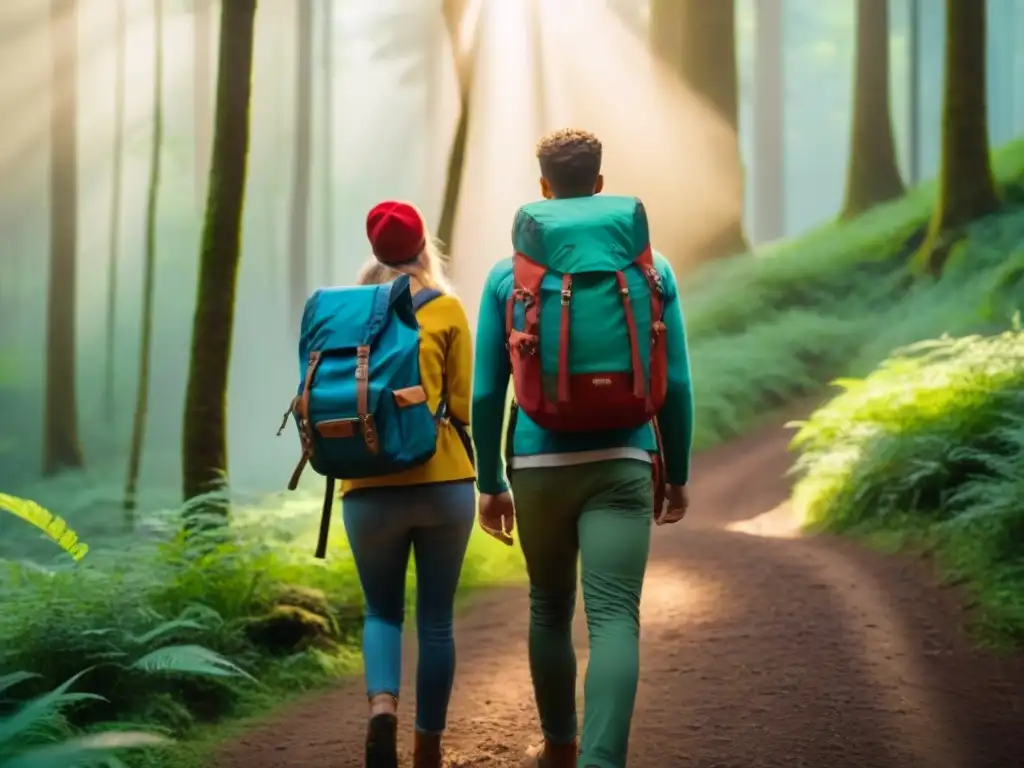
{"x":121,"y":32}
{"x":1001,"y":56}
{"x":967,"y":189}
{"x":769,"y":130}
{"x":61,"y":447}
{"x":148,"y":273}
{"x":328,"y":128}
{"x":274,"y":196}
{"x":202,"y":52}
{"x":914,"y":91}
{"x":465,"y":68}
{"x":12,"y":326}
{"x":697,"y":39}
{"x":872,"y":176}
{"x":204,"y":437}
{"x":298,"y":241}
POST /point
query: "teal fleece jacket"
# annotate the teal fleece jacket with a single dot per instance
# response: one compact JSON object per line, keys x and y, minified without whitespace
{"x":490,"y":388}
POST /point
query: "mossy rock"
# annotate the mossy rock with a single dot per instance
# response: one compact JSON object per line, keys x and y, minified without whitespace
{"x":290,"y":628}
{"x":344,"y":612}
{"x":307,"y":598}
{"x":349,"y":619}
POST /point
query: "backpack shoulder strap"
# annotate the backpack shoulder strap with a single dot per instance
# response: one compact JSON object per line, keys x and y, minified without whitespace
{"x":325,"y":519}
{"x":424,"y":296}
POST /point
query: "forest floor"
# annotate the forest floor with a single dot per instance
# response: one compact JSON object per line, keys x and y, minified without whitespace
{"x":760,"y":648}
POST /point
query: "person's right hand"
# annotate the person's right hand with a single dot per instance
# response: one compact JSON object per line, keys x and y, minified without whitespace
{"x":497,"y":516}
{"x":677,"y":501}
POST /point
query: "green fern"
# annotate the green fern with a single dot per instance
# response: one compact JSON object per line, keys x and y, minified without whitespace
{"x":932,"y":441}
{"x":89,"y":751}
{"x":167,"y":628}
{"x":189,"y":660}
{"x":41,"y":709}
{"x":23,"y":735}
{"x":16,"y":678}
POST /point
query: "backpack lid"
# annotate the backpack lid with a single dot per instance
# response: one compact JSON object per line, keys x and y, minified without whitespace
{"x":582,"y":234}
{"x":352,"y":316}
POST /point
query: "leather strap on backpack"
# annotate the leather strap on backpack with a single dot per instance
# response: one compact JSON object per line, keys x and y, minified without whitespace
{"x":658,"y":470}
{"x":325,"y":519}
{"x":510,"y":433}
{"x":300,"y":407}
{"x":442,"y":415}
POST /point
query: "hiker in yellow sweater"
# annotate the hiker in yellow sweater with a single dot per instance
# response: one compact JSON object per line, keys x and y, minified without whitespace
{"x":427,"y":509}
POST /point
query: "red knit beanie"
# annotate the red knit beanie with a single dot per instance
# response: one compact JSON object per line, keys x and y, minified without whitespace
{"x":396,"y":232}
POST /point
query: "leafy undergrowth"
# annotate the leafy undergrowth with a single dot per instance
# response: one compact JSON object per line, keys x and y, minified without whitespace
{"x":768,"y":331}
{"x":37,"y":734}
{"x":259,"y":619}
{"x":929,"y":450}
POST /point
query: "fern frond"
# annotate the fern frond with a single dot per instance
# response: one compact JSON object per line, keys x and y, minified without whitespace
{"x":167,"y":628}
{"x":83,"y":751}
{"x":37,"y":710}
{"x":189,"y":660}
{"x":16,"y":678}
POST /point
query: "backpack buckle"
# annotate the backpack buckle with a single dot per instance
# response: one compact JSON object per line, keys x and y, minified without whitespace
{"x":362,"y":363}
{"x":369,"y":431}
{"x":656,"y":282}
{"x":566,"y":295}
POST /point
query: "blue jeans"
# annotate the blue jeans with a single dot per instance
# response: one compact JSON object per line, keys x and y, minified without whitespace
{"x":383,"y":526}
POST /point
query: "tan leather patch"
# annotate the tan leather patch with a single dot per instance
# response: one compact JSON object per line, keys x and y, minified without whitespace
{"x":410,"y":396}
{"x":337,"y":428}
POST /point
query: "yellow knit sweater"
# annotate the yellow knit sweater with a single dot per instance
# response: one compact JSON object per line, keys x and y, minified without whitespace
{"x":446,"y":348}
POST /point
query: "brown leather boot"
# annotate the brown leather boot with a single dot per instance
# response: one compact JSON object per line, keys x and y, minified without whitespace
{"x":551,"y":755}
{"x":381,"y":749}
{"x":427,"y":750}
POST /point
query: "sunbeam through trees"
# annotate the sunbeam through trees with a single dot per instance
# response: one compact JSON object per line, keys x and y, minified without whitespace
{"x":395,"y":222}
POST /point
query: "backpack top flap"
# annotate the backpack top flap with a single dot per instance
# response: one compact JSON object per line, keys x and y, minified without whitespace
{"x":348,"y":317}
{"x":582,"y":234}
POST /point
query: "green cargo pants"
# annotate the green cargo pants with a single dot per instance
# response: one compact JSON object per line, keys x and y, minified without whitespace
{"x":600,"y":514}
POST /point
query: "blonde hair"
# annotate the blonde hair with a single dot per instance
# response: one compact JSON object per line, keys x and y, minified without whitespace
{"x":428,"y":268}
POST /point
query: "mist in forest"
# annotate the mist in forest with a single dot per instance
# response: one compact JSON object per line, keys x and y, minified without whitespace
{"x":383,"y":86}
{"x":385,"y":89}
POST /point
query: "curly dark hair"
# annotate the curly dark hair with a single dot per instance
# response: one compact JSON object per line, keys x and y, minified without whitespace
{"x":570,"y":160}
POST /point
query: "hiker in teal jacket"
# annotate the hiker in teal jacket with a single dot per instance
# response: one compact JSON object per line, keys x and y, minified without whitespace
{"x":579,"y":497}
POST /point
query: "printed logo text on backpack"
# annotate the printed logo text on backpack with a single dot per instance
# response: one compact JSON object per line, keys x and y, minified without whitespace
{"x":584,"y":321}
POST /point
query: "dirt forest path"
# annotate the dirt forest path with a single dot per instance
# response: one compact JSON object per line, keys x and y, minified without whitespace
{"x":760,"y":649}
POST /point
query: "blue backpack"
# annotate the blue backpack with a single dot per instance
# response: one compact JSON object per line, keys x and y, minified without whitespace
{"x":361,"y":409}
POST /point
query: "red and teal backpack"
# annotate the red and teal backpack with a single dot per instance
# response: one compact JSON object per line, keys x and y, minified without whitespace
{"x":584,"y":321}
